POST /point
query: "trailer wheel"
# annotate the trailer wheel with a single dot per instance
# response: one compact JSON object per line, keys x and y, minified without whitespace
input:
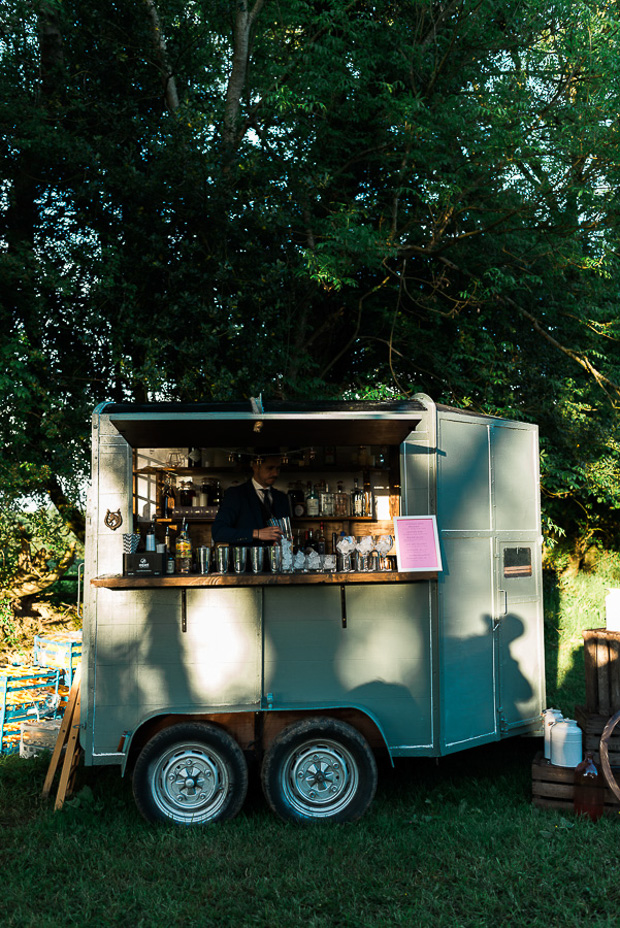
{"x":319,"y":769}
{"x":190,"y":774}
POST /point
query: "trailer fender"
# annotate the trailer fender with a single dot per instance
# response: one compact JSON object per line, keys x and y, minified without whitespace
{"x":274,"y":720}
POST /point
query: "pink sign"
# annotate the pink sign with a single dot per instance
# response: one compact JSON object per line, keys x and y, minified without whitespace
{"x":417,"y":543}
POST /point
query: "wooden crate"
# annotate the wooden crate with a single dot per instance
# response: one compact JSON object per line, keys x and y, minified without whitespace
{"x":592,"y":725}
{"x":602,"y":666}
{"x":552,"y":787}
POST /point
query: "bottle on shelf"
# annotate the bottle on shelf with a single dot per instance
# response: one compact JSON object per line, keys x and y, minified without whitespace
{"x":312,"y":502}
{"x":297,"y":500}
{"x":341,"y":502}
{"x":367,"y":496}
{"x":357,"y":500}
{"x":183,"y":551}
{"x":321,"y":544}
{"x":169,"y":552}
{"x":327,"y":506}
{"x":167,"y":501}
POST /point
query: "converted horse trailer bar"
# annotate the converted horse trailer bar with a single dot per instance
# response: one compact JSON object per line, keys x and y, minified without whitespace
{"x":315,"y":673}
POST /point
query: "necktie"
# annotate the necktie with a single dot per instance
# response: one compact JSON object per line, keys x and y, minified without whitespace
{"x":267,"y":501}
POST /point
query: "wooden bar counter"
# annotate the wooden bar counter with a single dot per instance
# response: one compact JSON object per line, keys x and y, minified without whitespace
{"x":264,"y":579}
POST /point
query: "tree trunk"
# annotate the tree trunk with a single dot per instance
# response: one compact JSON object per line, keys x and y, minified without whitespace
{"x":244,"y":20}
{"x":34,"y":576}
{"x":73,"y":518}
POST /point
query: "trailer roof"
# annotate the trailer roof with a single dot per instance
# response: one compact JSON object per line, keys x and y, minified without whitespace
{"x":164,"y":425}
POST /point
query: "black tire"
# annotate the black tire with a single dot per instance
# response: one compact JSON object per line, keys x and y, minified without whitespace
{"x":319,"y":769}
{"x":190,"y":774}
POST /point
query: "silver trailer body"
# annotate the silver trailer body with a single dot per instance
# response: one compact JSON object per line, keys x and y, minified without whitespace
{"x":425,"y":667}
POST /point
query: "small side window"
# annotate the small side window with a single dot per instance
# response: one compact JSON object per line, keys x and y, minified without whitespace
{"x":517,"y":562}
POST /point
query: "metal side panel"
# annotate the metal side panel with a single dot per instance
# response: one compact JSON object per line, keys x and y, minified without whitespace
{"x":463,"y":474}
{"x":146,"y":664}
{"x":378,"y":660}
{"x":109,"y":492}
{"x":466,"y":649}
{"x":516,"y":482}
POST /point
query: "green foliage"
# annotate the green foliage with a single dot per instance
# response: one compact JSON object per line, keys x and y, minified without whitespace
{"x":44,"y":530}
{"x":398,"y":196}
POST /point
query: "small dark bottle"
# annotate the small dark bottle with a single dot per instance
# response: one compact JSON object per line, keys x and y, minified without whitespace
{"x":589,"y":790}
{"x":167,"y":499}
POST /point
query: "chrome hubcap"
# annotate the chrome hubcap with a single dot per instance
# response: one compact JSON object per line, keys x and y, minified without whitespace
{"x":319,"y":778}
{"x":190,"y":783}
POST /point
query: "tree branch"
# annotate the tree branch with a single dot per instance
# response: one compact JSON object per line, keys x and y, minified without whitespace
{"x":170,"y":88}
{"x":244,"y":20}
{"x":603,"y":382}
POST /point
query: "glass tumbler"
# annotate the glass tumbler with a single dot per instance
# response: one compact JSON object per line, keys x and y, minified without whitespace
{"x":240,"y":558}
{"x":222,"y":555}
{"x":257,"y":558}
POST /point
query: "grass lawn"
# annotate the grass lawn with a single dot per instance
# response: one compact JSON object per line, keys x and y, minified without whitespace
{"x":454,"y":843}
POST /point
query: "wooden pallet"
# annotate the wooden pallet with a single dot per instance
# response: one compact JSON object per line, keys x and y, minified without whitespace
{"x":68,"y":739}
{"x":552,"y":787}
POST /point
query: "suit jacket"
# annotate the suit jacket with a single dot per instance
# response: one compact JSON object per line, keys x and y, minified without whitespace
{"x":241,"y":512}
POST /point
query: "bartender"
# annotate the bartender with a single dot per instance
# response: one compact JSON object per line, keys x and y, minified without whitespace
{"x":245,"y":511}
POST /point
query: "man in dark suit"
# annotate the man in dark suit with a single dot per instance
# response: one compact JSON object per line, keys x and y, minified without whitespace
{"x":245,"y":510}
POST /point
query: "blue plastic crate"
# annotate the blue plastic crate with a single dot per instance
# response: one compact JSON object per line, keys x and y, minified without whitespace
{"x":24,"y":693}
{"x":63,"y":651}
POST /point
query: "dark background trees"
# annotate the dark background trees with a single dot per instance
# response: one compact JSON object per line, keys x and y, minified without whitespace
{"x":216,"y":199}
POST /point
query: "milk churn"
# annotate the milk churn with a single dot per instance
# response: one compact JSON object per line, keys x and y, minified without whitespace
{"x":566,"y":743}
{"x":550,"y":717}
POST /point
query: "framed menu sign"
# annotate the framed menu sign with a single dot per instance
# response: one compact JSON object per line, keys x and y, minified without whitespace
{"x":417,"y":543}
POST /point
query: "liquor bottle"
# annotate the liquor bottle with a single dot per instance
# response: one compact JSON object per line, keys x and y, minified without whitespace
{"x":312,"y":502}
{"x":169,"y":552}
{"x":321,"y":545}
{"x":588,"y":790}
{"x":330,"y":455}
{"x":194,"y":457}
{"x":309,"y":543}
{"x":183,"y":551}
{"x":297,"y":500}
{"x":367,"y":496}
{"x":341,"y":501}
{"x":357,"y":501}
{"x":167,"y":499}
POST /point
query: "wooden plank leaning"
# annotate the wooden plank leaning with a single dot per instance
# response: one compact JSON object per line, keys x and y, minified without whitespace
{"x":68,"y":735}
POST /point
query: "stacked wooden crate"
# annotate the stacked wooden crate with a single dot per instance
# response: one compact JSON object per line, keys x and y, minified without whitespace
{"x":602,"y":671}
{"x":552,"y":786}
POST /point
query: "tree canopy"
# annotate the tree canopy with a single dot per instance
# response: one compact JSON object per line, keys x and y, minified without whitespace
{"x":337,"y":197}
